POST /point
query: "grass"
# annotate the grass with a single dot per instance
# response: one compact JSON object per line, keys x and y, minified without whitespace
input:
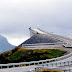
{"x":24,"y":55}
{"x":48,"y":70}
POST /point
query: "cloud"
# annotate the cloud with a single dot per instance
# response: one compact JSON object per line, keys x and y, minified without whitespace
{"x":16,"y":16}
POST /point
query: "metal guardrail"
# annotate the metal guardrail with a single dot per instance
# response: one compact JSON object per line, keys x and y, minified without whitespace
{"x":57,"y":66}
{"x":35,"y":62}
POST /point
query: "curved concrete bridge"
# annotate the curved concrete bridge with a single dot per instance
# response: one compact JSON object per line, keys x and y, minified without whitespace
{"x":55,"y":63}
{"x":63,"y":63}
{"x":63,"y":39}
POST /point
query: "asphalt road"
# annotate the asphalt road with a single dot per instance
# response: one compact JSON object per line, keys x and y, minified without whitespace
{"x":19,"y":69}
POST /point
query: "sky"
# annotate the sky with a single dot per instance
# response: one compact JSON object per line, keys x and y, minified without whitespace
{"x":16,"y":16}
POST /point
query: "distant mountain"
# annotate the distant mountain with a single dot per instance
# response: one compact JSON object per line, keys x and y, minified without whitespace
{"x":4,"y":45}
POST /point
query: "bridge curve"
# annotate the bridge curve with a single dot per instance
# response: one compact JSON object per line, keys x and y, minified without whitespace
{"x":53,"y":63}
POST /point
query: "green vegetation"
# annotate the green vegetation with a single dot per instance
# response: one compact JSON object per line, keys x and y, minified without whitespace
{"x":47,"y":70}
{"x":26,"y":55}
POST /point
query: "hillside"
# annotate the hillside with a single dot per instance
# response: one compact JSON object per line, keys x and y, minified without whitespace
{"x":25,"y":55}
{"x":4,"y":45}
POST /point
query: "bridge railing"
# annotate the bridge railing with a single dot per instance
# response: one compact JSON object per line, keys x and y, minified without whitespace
{"x":56,"y":66}
{"x":34,"y":62}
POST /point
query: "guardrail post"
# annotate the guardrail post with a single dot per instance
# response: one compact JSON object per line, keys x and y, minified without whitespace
{"x":69,"y":70}
{"x":46,"y":61}
{"x":13,"y":65}
{"x":68,"y":63}
{"x":52,"y":65}
{"x":43,"y":65}
{"x":34,"y":63}
{"x":47,"y":65}
{"x":38,"y":63}
{"x":42,"y":62}
{"x":7,"y":66}
{"x":60,"y":64}
{"x":29,"y":64}
{"x":71,"y":62}
{"x":56,"y":64}
{"x":49,"y":61}
{"x":19,"y":65}
{"x":64,"y":70}
{"x":64,"y":63}
{"x":1,"y":67}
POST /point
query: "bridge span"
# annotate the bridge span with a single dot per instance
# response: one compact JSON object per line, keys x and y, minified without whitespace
{"x":60,"y":63}
{"x":63,"y":63}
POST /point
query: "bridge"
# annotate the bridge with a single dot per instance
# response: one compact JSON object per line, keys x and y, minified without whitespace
{"x":65,"y":40}
{"x":63,"y":63}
